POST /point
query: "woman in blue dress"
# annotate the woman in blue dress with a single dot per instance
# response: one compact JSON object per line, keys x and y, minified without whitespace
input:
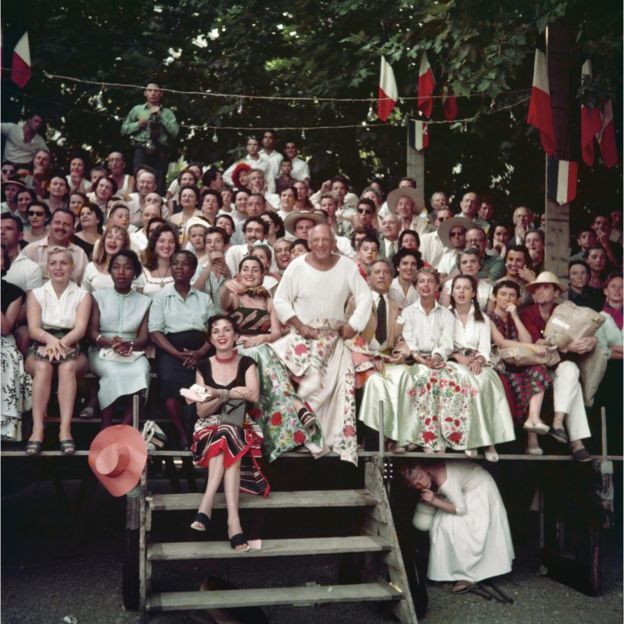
{"x":118,"y":329}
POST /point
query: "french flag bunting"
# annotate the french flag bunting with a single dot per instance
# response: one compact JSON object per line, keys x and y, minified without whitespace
{"x":20,"y":64}
{"x":418,"y":135}
{"x":449,"y":103}
{"x":540,"y":108}
{"x":606,"y":136}
{"x":388,"y":93}
{"x":426,"y":84}
{"x":562,"y":177}
{"x":591,"y":121}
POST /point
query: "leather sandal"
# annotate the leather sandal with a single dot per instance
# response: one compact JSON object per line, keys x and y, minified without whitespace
{"x":68,"y":447}
{"x":239,"y":540}
{"x":33,"y":447}
{"x":201,"y":522}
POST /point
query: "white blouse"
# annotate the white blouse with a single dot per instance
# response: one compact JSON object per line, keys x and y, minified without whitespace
{"x":59,"y":312}
{"x":474,"y":335}
{"x":396,"y":294}
{"x":431,"y":332}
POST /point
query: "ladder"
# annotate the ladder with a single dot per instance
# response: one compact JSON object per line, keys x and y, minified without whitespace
{"x":377,"y":538}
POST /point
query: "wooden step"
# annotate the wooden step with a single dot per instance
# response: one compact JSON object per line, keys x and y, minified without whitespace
{"x":272,"y":596}
{"x":175,"y":551}
{"x":276,"y":500}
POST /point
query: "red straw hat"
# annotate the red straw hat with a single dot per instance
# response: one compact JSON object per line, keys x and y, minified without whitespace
{"x":117,"y":457}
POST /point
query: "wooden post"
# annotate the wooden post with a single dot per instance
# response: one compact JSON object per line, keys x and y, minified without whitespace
{"x":562,"y":55}
{"x":415,"y":165}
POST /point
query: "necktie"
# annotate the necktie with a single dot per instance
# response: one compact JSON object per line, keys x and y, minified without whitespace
{"x":381,"y":332}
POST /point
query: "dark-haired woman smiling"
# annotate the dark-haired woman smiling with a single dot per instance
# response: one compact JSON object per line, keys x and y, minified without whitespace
{"x":177,"y":324}
{"x":118,"y":328}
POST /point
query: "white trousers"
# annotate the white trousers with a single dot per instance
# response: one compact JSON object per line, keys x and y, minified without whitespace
{"x":568,"y":398}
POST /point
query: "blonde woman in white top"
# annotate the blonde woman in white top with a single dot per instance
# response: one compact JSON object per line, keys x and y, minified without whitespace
{"x":58,"y":316}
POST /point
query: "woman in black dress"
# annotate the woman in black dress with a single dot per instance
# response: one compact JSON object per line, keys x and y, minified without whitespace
{"x":224,"y":440}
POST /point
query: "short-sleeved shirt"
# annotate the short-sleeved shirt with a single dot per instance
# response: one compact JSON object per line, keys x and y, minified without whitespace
{"x":170,"y":313}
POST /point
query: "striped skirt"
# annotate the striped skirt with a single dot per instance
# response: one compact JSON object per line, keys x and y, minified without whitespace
{"x":212,"y":437}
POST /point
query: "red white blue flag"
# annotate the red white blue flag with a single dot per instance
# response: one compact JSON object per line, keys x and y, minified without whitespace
{"x":426,"y":84}
{"x":388,"y":93}
{"x":540,"y":108}
{"x":418,"y":136}
{"x":20,"y":64}
{"x":562,"y":178}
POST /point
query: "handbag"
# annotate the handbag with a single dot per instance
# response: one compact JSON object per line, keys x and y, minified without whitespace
{"x":233,"y":412}
{"x":153,"y":435}
{"x":569,"y":321}
{"x":528,"y":355}
{"x":110,"y":355}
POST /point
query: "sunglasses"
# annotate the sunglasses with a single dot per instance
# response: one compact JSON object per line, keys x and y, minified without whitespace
{"x":364,"y":211}
{"x":35,"y":213}
{"x":8,"y":171}
{"x":456,"y":234}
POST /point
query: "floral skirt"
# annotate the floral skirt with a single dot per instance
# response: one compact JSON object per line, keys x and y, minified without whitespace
{"x":521,"y":385}
{"x":16,"y":390}
{"x":421,"y":405}
{"x":324,"y":369}
{"x":286,"y":420}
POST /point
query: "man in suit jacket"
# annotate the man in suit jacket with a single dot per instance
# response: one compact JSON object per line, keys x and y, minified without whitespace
{"x":389,"y":241}
{"x":381,"y":339}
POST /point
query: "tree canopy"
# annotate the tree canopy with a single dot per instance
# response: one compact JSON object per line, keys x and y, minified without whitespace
{"x":319,"y":49}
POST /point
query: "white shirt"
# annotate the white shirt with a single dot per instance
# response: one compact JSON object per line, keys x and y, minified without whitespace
{"x":432,"y":248}
{"x":300,"y":169}
{"x":138,"y":241}
{"x":261,"y":163}
{"x":59,"y":312}
{"x":431,"y":332}
{"x":311,"y":294}
{"x":25,"y":273}
{"x":343,"y":245}
{"x":275,"y":160}
{"x":474,"y":335}
{"x":448,"y":262}
{"x":16,"y":150}
{"x":403,"y":300}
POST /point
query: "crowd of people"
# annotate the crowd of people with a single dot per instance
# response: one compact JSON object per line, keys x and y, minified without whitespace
{"x":311,"y":304}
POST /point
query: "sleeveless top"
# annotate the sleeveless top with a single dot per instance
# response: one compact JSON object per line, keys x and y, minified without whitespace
{"x":252,"y":321}
{"x":205,"y":368}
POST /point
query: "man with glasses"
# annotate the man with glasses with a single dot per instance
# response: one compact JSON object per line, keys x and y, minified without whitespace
{"x":365,"y":214}
{"x":492,"y":267}
{"x":453,"y":234}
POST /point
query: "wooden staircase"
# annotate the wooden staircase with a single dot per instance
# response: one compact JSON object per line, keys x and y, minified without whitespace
{"x":386,"y":576}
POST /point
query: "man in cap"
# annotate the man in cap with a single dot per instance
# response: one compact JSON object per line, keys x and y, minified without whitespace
{"x":11,"y":188}
{"x":452,"y":233}
{"x":409,"y":205}
{"x":431,"y":246}
{"x":567,"y":392}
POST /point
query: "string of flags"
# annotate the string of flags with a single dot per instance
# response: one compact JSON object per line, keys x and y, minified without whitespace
{"x":597,"y":123}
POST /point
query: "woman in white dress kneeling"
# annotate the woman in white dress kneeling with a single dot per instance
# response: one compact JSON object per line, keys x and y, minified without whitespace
{"x":470,"y":537}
